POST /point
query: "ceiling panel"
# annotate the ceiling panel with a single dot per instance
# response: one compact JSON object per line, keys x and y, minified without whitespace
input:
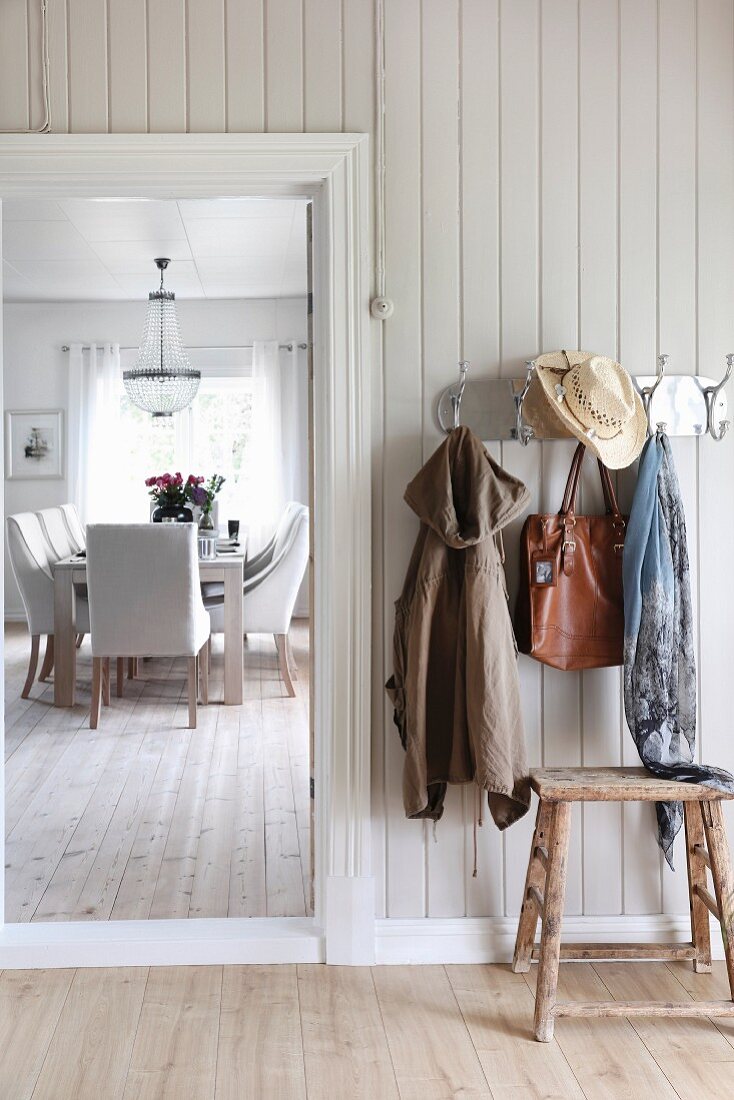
{"x":219,"y":248}
{"x":125,"y":219}
{"x":238,"y":236}
{"x":192,"y":209}
{"x":74,"y":275}
{"x":43,"y":240}
{"x":32,"y":210}
{"x":244,"y":270}
{"x":127,"y":257}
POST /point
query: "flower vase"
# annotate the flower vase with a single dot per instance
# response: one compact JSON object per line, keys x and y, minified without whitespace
{"x":172,"y":513}
{"x":206,"y":523}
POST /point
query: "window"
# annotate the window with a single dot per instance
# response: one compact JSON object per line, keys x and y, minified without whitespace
{"x":211,"y":436}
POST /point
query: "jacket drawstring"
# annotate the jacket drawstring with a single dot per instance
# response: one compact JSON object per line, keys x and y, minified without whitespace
{"x":477,"y":821}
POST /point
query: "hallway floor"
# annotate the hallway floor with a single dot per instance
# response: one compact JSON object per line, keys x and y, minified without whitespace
{"x":340,"y":1033}
{"x":144,"y":818}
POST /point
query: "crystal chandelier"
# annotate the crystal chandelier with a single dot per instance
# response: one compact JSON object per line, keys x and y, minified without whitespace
{"x":163,"y":380}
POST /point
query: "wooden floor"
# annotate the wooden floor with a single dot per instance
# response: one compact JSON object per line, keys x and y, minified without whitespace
{"x":144,"y":818}
{"x":332,"y":1033}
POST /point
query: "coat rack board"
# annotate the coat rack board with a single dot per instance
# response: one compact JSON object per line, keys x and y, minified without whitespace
{"x":502,"y":408}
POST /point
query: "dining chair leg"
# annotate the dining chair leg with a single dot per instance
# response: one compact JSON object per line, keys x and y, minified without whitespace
{"x":204,"y":674}
{"x":32,"y":666}
{"x":209,"y":655}
{"x":281,"y":642}
{"x":97,"y":673}
{"x":79,"y":640}
{"x":48,"y":659}
{"x":192,"y":677}
{"x":106,"y":681}
{"x":131,"y":668}
{"x":292,"y":666}
{"x":120,"y":676}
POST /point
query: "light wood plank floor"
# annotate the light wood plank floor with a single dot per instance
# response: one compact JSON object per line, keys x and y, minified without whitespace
{"x":333,"y":1033}
{"x":143,"y":818}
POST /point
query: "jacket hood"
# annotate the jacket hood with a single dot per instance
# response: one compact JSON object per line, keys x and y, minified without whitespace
{"x":463,"y":494}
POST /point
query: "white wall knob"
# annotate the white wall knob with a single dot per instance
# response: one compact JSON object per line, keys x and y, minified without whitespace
{"x":382,"y":308}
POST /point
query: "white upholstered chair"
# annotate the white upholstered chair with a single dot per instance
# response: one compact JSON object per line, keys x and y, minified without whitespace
{"x":145,"y":600}
{"x":271,"y":586}
{"x":31,"y":561}
{"x":61,"y":544}
{"x":56,"y":531}
{"x":74,"y":527}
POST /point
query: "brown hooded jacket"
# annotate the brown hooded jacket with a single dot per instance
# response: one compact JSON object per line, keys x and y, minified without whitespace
{"x":455,"y":687}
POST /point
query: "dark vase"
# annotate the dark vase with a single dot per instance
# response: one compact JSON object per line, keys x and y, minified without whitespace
{"x":173,"y":513}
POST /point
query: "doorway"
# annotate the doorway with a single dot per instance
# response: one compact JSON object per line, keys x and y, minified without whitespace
{"x":337,"y":189}
{"x":144,"y":818}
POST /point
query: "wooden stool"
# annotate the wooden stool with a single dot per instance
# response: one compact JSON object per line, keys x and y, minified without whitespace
{"x":545,"y":887}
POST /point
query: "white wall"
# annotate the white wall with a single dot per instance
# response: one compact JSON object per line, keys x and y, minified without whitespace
{"x":557,"y":173}
{"x":36,"y":369}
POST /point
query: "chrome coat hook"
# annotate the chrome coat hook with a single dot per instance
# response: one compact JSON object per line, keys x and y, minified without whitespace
{"x":523,"y":432}
{"x":710,"y":394}
{"x":647,"y":392}
{"x":458,"y":393}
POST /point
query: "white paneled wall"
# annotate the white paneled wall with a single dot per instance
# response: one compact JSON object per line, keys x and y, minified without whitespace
{"x":558,"y":172}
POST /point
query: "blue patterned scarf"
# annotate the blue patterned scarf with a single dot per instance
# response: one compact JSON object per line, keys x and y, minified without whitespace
{"x":659,"y":648}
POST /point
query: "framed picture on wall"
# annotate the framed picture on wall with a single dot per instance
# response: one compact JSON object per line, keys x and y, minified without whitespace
{"x":34,"y":444}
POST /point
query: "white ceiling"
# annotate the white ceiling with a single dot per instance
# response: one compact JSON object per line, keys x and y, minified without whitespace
{"x":93,"y":249}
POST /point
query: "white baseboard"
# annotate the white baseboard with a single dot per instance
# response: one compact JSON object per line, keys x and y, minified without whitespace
{"x":297,"y":939}
{"x":492,"y":939}
{"x":161,"y":943}
{"x":350,"y":920}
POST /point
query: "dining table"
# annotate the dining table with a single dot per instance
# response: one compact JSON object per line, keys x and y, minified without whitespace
{"x":226,"y":568}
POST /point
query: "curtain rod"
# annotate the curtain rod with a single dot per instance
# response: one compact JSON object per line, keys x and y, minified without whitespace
{"x":201,"y":347}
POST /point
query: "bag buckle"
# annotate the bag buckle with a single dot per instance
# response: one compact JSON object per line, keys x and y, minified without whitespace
{"x":568,"y":544}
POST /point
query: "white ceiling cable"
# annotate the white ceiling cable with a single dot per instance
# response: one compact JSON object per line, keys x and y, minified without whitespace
{"x":45,"y":64}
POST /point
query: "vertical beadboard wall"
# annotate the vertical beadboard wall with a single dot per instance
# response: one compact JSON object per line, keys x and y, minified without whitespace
{"x":558,"y":172}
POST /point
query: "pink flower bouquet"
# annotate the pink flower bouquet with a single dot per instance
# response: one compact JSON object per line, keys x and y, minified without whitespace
{"x":167,"y":490}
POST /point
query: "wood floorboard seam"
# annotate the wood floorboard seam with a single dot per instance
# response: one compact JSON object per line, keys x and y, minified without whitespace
{"x":53,"y":1035}
{"x":718,"y":1023}
{"x":306,"y":1089}
{"x":162,"y":756}
{"x":121,"y":731}
{"x":384,"y":1030}
{"x":81,"y":819}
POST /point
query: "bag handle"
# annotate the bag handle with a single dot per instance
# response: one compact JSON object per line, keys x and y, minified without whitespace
{"x":569,"y":497}
{"x":568,"y":507}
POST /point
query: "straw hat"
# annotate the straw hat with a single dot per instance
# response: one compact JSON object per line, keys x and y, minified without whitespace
{"x":596,"y":399}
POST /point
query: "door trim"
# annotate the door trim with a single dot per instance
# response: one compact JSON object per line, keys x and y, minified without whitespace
{"x":332,"y":170}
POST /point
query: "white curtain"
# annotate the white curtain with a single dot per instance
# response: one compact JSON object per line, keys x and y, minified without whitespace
{"x":294,"y":420}
{"x":267,"y":483}
{"x":94,"y":426}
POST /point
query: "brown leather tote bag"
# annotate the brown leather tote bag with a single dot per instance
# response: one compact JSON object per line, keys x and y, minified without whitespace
{"x":570,"y":610}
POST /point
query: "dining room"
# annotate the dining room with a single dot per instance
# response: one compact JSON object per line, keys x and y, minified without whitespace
{"x":158,"y":613}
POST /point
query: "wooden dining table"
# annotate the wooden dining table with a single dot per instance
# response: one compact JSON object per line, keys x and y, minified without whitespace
{"x":226,"y":568}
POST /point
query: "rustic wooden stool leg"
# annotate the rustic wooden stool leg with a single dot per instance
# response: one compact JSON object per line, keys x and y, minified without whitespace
{"x":550,"y":938}
{"x":535,"y":878}
{"x":718,"y":847}
{"x":695,"y":846}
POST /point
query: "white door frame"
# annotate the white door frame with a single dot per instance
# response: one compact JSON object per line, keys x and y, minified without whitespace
{"x":332,"y":170}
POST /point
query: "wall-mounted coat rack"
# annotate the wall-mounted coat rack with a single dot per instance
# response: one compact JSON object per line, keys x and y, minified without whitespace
{"x":502,"y":408}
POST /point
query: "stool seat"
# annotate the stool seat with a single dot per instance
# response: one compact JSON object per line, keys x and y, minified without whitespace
{"x":615,"y":785}
{"x":707,"y":851}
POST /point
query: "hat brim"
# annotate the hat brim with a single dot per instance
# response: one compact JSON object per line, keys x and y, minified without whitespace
{"x":616,"y":453}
